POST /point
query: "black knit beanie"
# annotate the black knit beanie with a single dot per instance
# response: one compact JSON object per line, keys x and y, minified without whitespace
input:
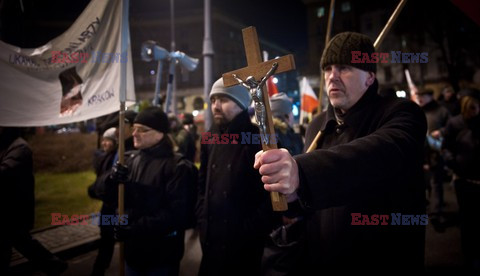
{"x":153,"y":117}
{"x":339,"y":51}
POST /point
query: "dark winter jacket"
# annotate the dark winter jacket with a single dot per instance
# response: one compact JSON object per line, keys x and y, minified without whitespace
{"x":437,"y":117}
{"x":18,"y":184}
{"x":102,"y":164}
{"x":234,"y":211}
{"x":287,"y":138}
{"x":158,"y":202}
{"x":452,"y":105}
{"x":369,"y":165}
{"x":186,"y":144}
{"x":462,"y":143}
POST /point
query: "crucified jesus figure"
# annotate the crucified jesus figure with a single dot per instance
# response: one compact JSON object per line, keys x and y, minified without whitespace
{"x":256,"y":91}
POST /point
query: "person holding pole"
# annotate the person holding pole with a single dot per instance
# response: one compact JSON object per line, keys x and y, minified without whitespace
{"x":159,"y":193}
{"x":361,"y":186}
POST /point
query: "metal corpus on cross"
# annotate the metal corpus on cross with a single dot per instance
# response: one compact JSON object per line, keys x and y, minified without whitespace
{"x":254,"y":77}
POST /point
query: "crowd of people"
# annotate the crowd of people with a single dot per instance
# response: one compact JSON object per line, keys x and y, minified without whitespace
{"x":374,"y":155}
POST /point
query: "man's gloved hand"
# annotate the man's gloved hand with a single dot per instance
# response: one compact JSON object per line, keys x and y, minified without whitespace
{"x":122,"y":232}
{"x":119,"y":173}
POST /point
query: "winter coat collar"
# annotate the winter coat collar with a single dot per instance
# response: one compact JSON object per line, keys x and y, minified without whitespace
{"x":161,"y":149}
{"x":240,"y":123}
{"x":333,"y":117}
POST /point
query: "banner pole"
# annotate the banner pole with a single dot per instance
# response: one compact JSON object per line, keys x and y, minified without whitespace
{"x":121,"y":123}
{"x":327,"y":39}
{"x":389,"y":24}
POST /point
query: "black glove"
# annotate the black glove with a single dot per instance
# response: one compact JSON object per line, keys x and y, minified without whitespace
{"x":122,"y":232}
{"x":119,"y":173}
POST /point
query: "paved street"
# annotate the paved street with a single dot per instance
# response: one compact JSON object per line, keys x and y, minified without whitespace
{"x":81,"y":265}
{"x":443,"y":252}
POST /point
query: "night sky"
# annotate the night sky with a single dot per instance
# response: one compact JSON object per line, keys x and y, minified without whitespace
{"x":285,"y":24}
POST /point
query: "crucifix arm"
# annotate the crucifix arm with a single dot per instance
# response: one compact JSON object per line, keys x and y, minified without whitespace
{"x":269,"y":74}
{"x":244,"y":84}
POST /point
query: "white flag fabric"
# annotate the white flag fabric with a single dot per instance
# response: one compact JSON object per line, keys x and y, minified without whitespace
{"x":309,"y":100}
{"x":74,"y":77}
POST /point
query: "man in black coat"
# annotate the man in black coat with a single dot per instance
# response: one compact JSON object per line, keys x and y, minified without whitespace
{"x":18,"y":203}
{"x":363,"y":184}
{"x":437,"y":117}
{"x":233,"y":210}
{"x":158,"y":198}
{"x":462,"y":151}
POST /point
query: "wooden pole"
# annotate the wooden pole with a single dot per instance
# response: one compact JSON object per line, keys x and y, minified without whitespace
{"x":125,"y":37}
{"x":121,"y":186}
{"x":327,"y":39}
{"x":389,"y":24}
{"x":313,"y":145}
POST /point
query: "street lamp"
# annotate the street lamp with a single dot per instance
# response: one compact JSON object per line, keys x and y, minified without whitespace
{"x":151,"y":51}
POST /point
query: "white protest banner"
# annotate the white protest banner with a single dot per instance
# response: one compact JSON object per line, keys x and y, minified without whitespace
{"x":74,"y":77}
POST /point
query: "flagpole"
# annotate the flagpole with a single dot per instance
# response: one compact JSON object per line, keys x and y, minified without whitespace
{"x":302,"y":113}
{"x":389,"y":24}
{"x":121,"y":123}
{"x":327,"y":38}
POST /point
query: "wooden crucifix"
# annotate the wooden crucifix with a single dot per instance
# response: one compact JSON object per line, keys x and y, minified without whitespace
{"x":254,"y":77}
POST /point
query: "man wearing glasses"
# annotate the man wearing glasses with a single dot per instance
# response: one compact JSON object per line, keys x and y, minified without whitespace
{"x":158,"y":198}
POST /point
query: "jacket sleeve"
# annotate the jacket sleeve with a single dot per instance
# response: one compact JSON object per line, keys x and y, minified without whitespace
{"x":174,"y":216}
{"x":262,"y":217}
{"x":331,"y":177}
{"x":448,"y":144}
{"x":105,"y":189}
{"x":16,"y":160}
{"x":202,"y":182}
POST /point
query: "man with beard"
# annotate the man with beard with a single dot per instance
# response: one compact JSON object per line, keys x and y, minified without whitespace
{"x":233,"y":210}
{"x":367,"y":163}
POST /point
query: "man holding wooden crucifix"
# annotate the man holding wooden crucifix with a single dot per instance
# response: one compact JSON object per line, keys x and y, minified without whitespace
{"x":362,"y":185}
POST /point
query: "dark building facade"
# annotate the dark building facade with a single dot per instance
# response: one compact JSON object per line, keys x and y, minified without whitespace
{"x":439,"y":28}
